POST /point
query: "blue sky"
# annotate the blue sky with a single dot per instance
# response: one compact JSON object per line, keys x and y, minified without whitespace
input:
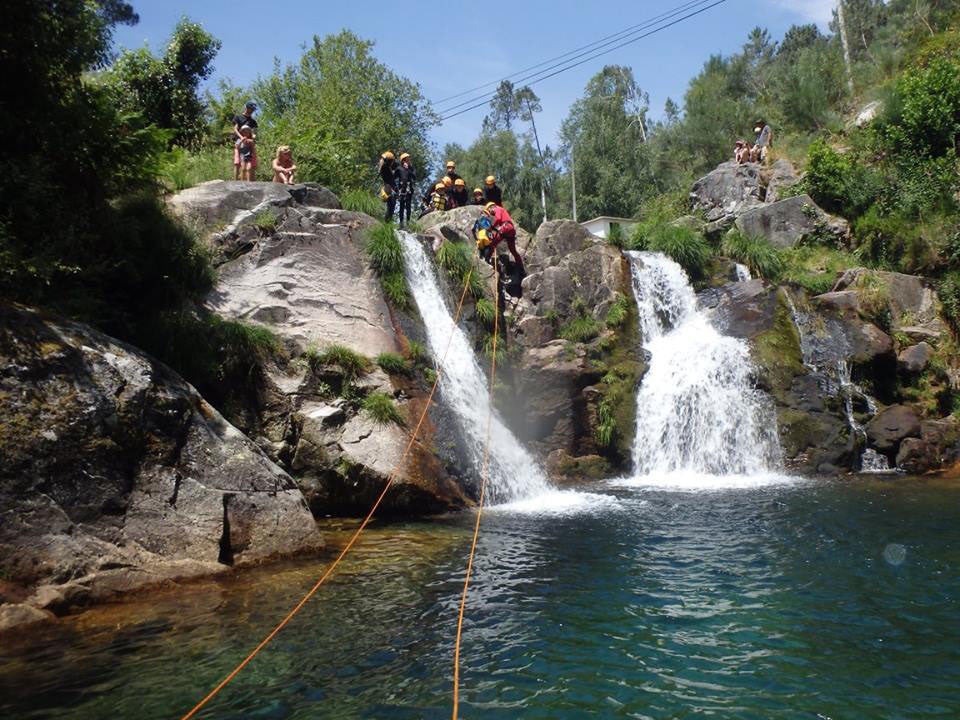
{"x":448,"y":47}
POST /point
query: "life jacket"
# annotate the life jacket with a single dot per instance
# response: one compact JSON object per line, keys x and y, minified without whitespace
{"x":438,"y":200}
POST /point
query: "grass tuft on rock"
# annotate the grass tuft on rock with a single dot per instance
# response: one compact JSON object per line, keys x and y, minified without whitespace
{"x":393,"y":363}
{"x":362,"y":201}
{"x":386,"y":259}
{"x":351,"y":363}
{"x":684,"y":246}
{"x":582,"y":327}
{"x":756,"y":253}
{"x":381,"y":408}
{"x":618,"y":312}
{"x":266,"y":221}
{"x":486,"y":312}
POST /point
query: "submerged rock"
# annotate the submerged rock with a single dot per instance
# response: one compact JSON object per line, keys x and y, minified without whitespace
{"x":117,"y":474}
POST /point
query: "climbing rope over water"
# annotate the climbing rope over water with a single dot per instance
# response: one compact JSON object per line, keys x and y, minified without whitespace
{"x":484,"y":473}
{"x":329,"y":571}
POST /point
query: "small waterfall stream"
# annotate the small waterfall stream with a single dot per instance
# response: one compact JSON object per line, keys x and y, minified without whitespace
{"x":514,"y":474}
{"x":698,"y":410}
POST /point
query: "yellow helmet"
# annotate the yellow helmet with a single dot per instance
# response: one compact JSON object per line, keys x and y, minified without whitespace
{"x":489,"y":206}
{"x":404,"y":156}
{"x":477,"y":191}
{"x":451,"y":164}
{"x":447,"y":180}
{"x":387,"y":155}
{"x":490,"y":180}
{"x":459,"y":182}
{"x":439,"y":186}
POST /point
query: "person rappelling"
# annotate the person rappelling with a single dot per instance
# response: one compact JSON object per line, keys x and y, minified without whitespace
{"x":387,"y":168}
{"x":502,"y":228}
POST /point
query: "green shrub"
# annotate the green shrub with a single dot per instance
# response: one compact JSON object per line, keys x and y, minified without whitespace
{"x":815,"y":267}
{"x":486,"y":312}
{"x":396,"y":289}
{"x":488,"y":348}
{"x":949,"y":291}
{"x":756,"y":253}
{"x":181,"y":169}
{"x":618,"y":312}
{"x":393,"y":363}
{"x":351,"y":363}
{"x":475,"y":284}
{"x":417,"y":352}
{"x":381,"y":408}
{"x":362,"y":201}
{"x":838,"y":183}
{"x":606,"y":425}
{"x":686,"y":247}
{"x":615,"y":237}
{"x":455,"y":258}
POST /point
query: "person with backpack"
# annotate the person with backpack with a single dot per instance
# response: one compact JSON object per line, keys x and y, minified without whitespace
{"x":387,"y":167}
{"x":502,"y":228}
{"x":406,"y":179}
{"x":492,"y":193}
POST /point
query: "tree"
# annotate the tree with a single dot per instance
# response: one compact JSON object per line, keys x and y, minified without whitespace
{"x":671,"y":111}
{"x":504,"y":109}
{"x":797,"y":38}
{"x":165,"y":89}
{"x":339,"y":108}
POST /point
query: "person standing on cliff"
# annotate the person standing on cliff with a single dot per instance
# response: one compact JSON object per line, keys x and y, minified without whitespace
{"x":239,"y":121}
{"x":388,"y":174}
{"x":406,"y":179}
{"x":761,"y":147}
{"x":491,"y":192}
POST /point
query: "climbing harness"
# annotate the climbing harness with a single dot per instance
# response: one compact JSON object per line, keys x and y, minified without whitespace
{"x":329,"y":571}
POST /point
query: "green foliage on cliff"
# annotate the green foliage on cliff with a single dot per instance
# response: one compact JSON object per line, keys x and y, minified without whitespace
{"x":386,"y":259}
{"x":683,"y":245}
{"x":756,"y":253}
{"x":351,"y":363}
{"x":618,"y":312}
{"x":393,"y":363}
{"x":582,"y":326}
{"x":381,"y":408}
{"x":362,"y":201}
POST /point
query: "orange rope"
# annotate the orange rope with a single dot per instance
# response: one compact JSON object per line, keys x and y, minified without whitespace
{"x":484,"y":473}
{"x":353,"y":539}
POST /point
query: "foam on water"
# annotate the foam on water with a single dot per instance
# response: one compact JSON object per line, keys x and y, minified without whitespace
{"x":559,"y":502}
{"x":686,"y":481}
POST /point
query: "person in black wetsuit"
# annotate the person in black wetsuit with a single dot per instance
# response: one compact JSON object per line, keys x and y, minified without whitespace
{"x":478,"y":198}
{"x":492,"y":193}
{"x":406,"y":179}
{"x":452,"y":171}
{"x":388,"y":174}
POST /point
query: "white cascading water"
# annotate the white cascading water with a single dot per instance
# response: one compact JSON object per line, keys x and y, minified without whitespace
{"x":513,"y":472}
{"x":698,"y":411}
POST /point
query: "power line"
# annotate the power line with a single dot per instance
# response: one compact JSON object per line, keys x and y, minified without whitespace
{"x":590,"y":46}
{"x":592,"y":57}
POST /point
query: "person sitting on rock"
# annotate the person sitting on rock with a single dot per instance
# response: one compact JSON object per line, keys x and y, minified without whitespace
{"x":406,"y":179}
{"x":460,"y":192}
{"x":238,"y":122}
{"x":247,"y":150}
{"x":763,"y":143}
{"x":283,"y":167}
{"x":478,"y":197}
{"x":387,"y":167}
{"x":741,"y":152}
{"x":502,"y":228}
{"x":492,"y":193}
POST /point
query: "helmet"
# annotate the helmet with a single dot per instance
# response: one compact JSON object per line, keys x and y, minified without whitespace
{"x":489,"y":206}
{"x":451,"y":164}
{"x":404,"y":156}
{"x":490,"y":180}
{"x":447,"y":181}
{"x":387,"y":155}
{"x":459,"y":182}
{"x":477,"y":191}
{"x":439,"y":186}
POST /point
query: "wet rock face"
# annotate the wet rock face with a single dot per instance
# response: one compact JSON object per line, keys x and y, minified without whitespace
{"x":786,"y":222}
{"x":305,"y":275}
{"x":891,"y":426}
{"x":116,"y":474}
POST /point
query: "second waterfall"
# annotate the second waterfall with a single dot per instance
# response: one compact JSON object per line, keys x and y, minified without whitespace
{"x":698,"y":410}
{"x":514,"y":474}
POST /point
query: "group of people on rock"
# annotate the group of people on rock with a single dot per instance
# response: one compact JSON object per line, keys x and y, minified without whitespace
{"x":399,"y":184}
{"x":245,"y":151}
{"x":759,"y":151}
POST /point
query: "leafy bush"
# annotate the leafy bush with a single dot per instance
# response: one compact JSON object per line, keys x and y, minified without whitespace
{"x":393,"y":363}
{"x":381,"y":409}
{"x":838,"y":183}
{"x":756,"y":253}
{"x":618,"y":312}
{"x":362,"y":201}
{"x":615,"y":237}
{"x":181,"y":169}
{"x":686,"y":247}
{"x":351,"y":363}
{"x":949,"y":291}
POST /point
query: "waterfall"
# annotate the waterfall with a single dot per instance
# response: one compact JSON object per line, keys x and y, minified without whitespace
{"x":698,"y":410}
{"x":513,"y":472}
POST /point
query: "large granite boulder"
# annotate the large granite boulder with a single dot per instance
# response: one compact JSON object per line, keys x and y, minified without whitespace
{"x":727,"y":191}
{"x":786,"y":222}
{"x":117,"y":474}
{"x":891,"y":426}
{"x":912,"y":301}
{"x":781,"y":176}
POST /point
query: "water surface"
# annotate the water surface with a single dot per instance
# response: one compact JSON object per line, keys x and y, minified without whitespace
{"x":642,"y":599}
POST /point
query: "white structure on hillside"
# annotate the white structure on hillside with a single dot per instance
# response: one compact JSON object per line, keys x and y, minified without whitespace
{"x":601,"y":226}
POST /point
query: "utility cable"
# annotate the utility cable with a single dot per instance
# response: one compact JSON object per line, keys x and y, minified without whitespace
{"x":393,"y":475}
{"x":603,"y":42}
{"x":592,"y":57}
